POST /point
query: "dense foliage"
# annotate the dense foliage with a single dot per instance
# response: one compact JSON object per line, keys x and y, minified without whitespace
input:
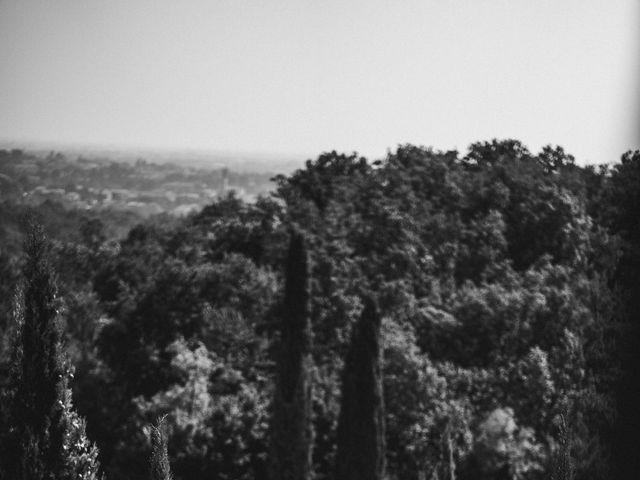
{"x":506,"y":285}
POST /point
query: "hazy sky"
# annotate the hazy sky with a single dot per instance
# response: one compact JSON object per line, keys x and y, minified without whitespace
{"x":307,"y":76}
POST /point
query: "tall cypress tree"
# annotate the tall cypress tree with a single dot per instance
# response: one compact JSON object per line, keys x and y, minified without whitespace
{"x":291,"y":430}
{"x":360,"y":437}
{"x":45,"y":438}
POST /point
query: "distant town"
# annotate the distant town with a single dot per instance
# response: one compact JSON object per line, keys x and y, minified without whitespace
{"x":140,"y":186}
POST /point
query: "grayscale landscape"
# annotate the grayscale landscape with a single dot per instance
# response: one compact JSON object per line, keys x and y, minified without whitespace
{"x":291,"y":240}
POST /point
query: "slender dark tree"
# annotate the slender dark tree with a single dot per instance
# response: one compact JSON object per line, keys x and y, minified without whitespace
{"x":562,"y":467}
{"x":360,"y":438}
{"x":291,"y":435}
{"x":45,"y":438}
{"x":160,"y":468}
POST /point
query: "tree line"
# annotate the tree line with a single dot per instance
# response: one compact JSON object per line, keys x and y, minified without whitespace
{"x":429,"y":315}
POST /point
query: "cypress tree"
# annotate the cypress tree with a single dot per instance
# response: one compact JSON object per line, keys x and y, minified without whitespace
{"x":360,"y":451}
{"x":160,"y":469}
{"x":291,"y":433}
{"x":562,"y":467}
{"x":45,"y":438}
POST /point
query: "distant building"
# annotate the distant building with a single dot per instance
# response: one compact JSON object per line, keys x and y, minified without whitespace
{"x":225,"y":181}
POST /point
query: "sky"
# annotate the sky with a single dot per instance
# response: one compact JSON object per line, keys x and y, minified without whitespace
{"x":307,"y":76}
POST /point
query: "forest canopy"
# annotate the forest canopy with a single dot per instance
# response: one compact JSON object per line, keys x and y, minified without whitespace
{"x":506,"y":290}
